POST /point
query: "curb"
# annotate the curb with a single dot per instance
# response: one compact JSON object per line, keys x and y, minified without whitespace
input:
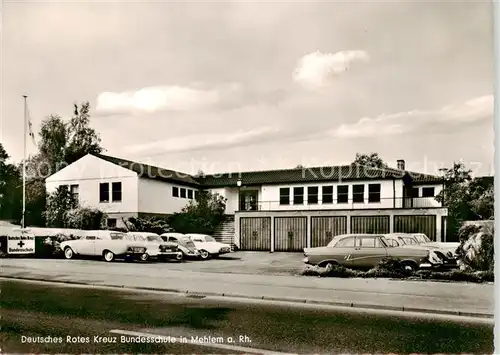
{"x":265,"y":298}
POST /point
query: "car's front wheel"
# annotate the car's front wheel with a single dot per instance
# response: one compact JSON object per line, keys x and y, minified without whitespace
{"x":409,"y":266}
{"x":108,"y":256}
{"x":68,"y":253}
{"x":204,"y":254}
{"x":179,"y":257}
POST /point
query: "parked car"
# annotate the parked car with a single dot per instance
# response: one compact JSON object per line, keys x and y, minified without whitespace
{"x":185,"y":245}
{"x":156,"y":247}
{"x":365,"y":251}
{"x":406,"y":240}
{"x":424,"y":240}
{"x":108,"y":244}
{"x":208,"y":246}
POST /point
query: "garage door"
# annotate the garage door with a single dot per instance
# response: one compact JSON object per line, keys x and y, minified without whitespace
{"x":323,"y":229}
{"x":255,"y":233}
{"x":416,"y":224}
{"x":290,"y":233}
{"x":370,"y":224}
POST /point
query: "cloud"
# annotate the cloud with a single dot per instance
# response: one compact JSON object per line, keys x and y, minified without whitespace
{"x":204,"y":141}
{"x":316,"y":70}
{"x":440,"y":120}
{"x":159,"y":98}
{"x":197,"y":97}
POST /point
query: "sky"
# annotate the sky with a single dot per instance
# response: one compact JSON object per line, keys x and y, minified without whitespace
{"x":238,"y":86}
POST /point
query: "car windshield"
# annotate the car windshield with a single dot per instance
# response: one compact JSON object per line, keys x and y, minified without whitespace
{"x":409,"y":240}
{"x":154,"y":238}
{"x":209,"y":239}
{"x":422,"y":238}
{"x":187,"y":242}
{"x":117,"y":236}
{"x":384,"y":241}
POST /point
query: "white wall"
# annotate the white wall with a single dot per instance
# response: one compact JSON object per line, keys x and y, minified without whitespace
{"x":156,"y":197}
{"x":88,"y":172}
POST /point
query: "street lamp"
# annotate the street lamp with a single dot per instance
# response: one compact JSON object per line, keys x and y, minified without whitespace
{"x":238,"y":183}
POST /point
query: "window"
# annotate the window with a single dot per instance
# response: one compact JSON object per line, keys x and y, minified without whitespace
{"x":190,"y":194}
{"x":342,"y":193}
{"x":63,"y":187}
{"x":312,"y":195}
{"x":327,"y":194}
{"x":172,"y":239}
{"x":412,"y":192}
{"x":284,"y":196}
{"x":116,"y":188}
{"x":104,"y":192}
{"x":196,"y":194}
{"x":358,"y":193}
{"x":183,"y":193}
{"x":175,"y":191}
{"x":298,"y":195}
{"x":90,"y":237}
{"x":345,"y":243}
{"x":74,"y":191}
{"x":370,"y":242}
{"x":374,"y":193}
{"x":428,"y":192}
{"x":111,"y":222}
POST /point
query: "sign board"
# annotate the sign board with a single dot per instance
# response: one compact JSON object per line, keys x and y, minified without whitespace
{"x":21,"y":244}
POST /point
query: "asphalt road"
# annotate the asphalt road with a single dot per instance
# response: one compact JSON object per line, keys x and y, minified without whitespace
{"x":83,"y":318}
{"x":432,"y":296}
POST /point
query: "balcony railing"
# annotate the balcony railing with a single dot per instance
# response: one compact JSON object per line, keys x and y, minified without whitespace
{"x":385,"y":203}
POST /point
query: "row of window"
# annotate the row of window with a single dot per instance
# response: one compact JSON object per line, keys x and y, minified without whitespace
{"x":184,"y":193}
{"x":72,"y":188}
{"x":342,"y":196}
{"x":104,"y":192}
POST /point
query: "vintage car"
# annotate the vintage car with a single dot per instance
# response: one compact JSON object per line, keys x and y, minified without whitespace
{"x":156,"y":247}
{"x":365,"y":251}
{"x":185,"y":245}
{"x":406,"y":240}
{"x":422,"y":239}
{"x":108,"y":244}
{"x":208,"y":246}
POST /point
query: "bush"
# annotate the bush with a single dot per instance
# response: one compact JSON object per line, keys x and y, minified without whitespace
{"x":85,"y":219}
{"x":148,"y":224}
{"x":476,"y":250}
{"x":48,"y":247}
{"x":391,"y":268}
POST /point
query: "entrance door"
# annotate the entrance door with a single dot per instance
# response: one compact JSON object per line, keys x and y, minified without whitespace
{"x":249,"y":200}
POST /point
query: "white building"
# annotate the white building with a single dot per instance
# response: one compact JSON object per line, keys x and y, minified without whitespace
{"x":273,"y":210}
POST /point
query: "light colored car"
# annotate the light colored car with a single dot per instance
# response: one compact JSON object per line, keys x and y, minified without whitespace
{"x":184,"y":243}
{"x":365,"y":251}
{"x":156,"y":247}
{"x":208,"y":246}
{"x":406,"y":240}
{"x":108,"y":244}
{"x":424,"y":240}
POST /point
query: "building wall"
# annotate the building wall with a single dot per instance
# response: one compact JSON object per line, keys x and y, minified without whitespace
{"x":157,"y":197}
{"x":88,"y":173}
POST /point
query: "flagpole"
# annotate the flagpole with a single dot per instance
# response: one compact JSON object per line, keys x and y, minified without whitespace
{"x":24,"y":161}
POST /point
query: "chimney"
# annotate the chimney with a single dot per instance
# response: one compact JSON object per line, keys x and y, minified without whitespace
{"x":401,"y":164}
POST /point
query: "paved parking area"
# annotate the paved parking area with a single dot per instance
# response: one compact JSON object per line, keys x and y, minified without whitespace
{"x":249,"y":262}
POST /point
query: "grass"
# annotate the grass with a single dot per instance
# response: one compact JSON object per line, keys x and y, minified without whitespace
{"x":34,"y":309}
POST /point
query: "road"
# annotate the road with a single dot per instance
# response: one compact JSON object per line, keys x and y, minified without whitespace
{"x":83,"y":317}
{"x":429,"y":296}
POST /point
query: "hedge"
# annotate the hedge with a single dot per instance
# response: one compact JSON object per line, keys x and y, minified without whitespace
{"x":390,"y":268}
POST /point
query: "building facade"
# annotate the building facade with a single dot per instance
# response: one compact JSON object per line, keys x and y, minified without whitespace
{"x":276,"y":210}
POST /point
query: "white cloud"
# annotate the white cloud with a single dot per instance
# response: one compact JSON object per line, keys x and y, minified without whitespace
{"x":316,"y":70}
{"x":204,"y":141}
{"x":469,"y":112}
{"x":159,"y":98}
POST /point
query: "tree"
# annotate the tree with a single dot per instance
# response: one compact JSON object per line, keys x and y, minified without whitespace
{"x":466,"y":198}
{"x":10,"y":189}
{"x":59,"y":205}
{"x":82,"y":139}
{"x":372,"y":160}
{"x":200,"y":216}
